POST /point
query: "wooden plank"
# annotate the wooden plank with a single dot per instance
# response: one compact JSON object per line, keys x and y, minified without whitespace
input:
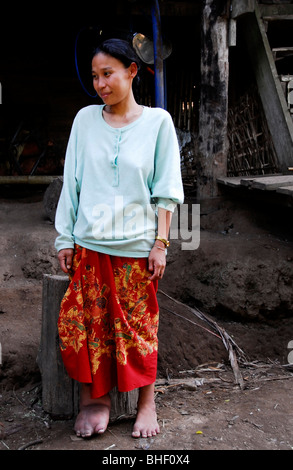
{"x":282,"y":49}
{"x":233,"y":181}
{"x":288,"y":190}
{"x":237,"y":181}
{"x":247,"y":181}
{"x":26,"y":179}
{"x":278,"y":18}
{"x":272,"y":183}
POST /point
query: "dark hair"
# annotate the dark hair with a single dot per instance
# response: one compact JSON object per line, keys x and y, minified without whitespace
{"x":123,"y":51}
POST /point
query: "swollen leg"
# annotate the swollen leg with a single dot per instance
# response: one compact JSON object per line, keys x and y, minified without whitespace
{"x":94,"y":414}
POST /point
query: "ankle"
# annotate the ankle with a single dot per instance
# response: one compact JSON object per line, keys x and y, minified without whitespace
{"x":146,"y":403}
{"x":87,"y":400}
{"x":147,"y":397}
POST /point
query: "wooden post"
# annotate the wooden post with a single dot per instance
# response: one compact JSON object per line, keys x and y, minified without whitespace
{"x":213,"y":113}
{"x":60,"y":394}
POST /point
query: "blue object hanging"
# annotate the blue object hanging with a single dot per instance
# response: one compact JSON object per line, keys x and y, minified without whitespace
{"x":76,"y":65}
{"x":160,"y":100}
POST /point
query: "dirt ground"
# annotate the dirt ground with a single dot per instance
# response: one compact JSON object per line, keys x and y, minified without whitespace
{"x":241,"y":276}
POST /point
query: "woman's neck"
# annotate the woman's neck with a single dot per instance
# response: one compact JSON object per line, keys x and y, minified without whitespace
{"x":122,"y":114}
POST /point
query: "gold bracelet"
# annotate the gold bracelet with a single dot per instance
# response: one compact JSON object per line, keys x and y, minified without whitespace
{"x":163,"y":240}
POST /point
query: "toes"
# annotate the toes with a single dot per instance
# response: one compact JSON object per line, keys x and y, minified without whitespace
{"x":99,"y":430}
{"x":92,"y":419}
{"x":86,"y":432}
{"x":144,"y":434}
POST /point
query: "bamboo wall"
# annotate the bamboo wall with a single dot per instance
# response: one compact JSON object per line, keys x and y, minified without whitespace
{"x":251,"y":150}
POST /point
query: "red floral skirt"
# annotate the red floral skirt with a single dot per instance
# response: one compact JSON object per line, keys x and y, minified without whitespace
{"x":108,"y":322}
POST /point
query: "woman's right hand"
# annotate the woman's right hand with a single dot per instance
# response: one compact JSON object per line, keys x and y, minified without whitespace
{"x":65,"y":258}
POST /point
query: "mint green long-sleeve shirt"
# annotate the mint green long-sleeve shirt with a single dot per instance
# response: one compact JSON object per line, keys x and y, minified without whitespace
{"x":114,"y":180}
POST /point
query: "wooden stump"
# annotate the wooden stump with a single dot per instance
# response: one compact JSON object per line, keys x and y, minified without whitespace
{"x":60,"y":394}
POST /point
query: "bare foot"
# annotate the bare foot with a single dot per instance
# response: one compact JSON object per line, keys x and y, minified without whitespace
{"x":94,"y":414}
{"x":146,"y":424}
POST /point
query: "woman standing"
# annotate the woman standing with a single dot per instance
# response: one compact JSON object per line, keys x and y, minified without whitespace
{"x":121,"y":158}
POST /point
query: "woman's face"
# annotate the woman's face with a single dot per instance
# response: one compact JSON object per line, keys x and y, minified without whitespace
{"x":111,"y":80}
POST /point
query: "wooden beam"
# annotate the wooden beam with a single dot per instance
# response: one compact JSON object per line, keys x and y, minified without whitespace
{"x":276,"y":10}
{"x":26,"y":179}
{"x":241,"y":7}
{"x":278,"y":18}
{"x":272,"y":12}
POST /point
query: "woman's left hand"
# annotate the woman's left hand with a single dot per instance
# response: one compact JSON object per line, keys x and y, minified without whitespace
{"x":157,"y":263}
